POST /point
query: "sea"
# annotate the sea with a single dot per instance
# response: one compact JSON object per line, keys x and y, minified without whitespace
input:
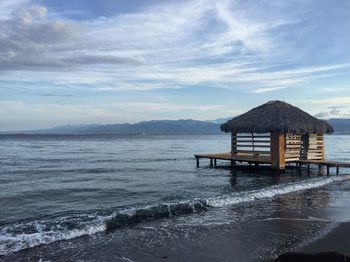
{"x":142,"y":198}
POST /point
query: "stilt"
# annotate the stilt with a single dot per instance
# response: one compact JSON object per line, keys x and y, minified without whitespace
{"x":211,"y":162}
{"x":256,"y":165}
{"x":327,"y":170}
{"x":215,"y":162}
{"x":197,"y":158}
{"x":337,"y":170}
{"x":308,"y":169}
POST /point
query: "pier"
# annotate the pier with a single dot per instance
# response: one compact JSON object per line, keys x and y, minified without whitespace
{"x":265,"y":160}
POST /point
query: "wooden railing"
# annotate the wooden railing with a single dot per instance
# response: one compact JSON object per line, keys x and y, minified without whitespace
{"x":293,"y":147}
{"x":251,"y":144}
{"x":304,"y":147}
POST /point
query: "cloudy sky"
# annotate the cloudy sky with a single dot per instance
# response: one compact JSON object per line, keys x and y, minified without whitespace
{"x":115,"y":61}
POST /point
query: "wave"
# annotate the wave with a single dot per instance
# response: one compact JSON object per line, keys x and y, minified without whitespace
{"x":22,"y":235}
{"x":272,"y":191}
{"x":156,"y":212}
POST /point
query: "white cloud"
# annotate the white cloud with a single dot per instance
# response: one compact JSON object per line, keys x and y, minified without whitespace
{"x":331,"y":101}
{"x":168,"y":40}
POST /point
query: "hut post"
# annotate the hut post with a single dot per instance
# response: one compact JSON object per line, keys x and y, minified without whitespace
{"x":278,"y":150}
{"x":233,"y":144}
{"x":304,"y":146}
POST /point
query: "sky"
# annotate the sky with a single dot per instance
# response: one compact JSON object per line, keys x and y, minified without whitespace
{"x":116,"y":61}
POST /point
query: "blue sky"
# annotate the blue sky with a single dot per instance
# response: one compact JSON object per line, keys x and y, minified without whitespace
{"x":115,"y":61}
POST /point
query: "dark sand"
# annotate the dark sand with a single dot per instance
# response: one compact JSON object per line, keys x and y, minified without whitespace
{"x":337,"y":240}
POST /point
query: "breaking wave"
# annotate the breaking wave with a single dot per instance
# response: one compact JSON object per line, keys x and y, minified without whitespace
{"x":272,"y":191}
{"x":22,"y":235}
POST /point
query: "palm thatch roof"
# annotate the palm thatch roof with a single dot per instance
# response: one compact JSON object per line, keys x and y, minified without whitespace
{"x":276,"y":116}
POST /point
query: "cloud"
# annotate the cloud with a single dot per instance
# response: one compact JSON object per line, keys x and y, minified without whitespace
{"x":167,"y":45}
{"x":322,"y":114}
{"x":335,"y":111}
{"x":29,"y":40}
{"x":99,"y":59}
{"x":334,"y":102}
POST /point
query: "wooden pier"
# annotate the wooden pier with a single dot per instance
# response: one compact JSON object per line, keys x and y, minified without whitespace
{"x":266,"y":159}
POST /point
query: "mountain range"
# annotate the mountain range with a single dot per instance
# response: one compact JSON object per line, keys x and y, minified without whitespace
{"x":154,"y":127}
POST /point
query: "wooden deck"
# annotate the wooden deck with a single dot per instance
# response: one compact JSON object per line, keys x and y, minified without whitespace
{"x":266,"y":159}
{"x":248,"y":158}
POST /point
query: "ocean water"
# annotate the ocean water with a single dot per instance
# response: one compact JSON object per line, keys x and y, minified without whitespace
{"x":141,"y":198}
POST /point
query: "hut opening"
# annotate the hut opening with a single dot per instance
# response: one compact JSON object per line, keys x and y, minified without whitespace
{"x":277,"y":133}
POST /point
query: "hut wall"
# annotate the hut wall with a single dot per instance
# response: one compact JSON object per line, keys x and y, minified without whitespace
{"x":294,"y":147}
{"x":304,"y":147}
{"x":251,"y":144}
{"x":315,"y":150}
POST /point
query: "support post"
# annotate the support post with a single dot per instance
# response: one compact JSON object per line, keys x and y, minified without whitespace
{"x":278,"y":151}
{"x":327,"y":170}
{"x":337,"y":170}
{"x":233,"y":144}
{"x":215,"y":162}
{"x":197,"y":159}
{"x":233,"y":163}
{"x":305,"y":144}
{"x":211,"y":162}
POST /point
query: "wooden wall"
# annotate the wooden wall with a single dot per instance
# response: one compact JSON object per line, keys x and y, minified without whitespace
{"x":250,"y":144}
{"x":293,"y":147}
{"x":304,"y":147}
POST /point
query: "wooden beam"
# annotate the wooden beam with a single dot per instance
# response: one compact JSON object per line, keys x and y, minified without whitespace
{"x":278,"y":151}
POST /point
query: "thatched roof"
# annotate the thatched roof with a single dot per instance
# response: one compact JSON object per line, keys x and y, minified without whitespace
{"x":276,"y":116}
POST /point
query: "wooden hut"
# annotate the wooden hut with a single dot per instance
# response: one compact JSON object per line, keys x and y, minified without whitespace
{"x":277,"y":133}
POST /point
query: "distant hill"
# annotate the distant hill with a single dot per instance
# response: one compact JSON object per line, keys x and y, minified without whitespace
{"x":154,"y":127}
{"x":341,"y":126}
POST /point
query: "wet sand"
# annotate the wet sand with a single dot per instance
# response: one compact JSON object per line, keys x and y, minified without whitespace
{"x":337,"y":240}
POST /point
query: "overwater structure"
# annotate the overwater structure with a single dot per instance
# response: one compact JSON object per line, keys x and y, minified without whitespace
{"x":277,"y":134}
